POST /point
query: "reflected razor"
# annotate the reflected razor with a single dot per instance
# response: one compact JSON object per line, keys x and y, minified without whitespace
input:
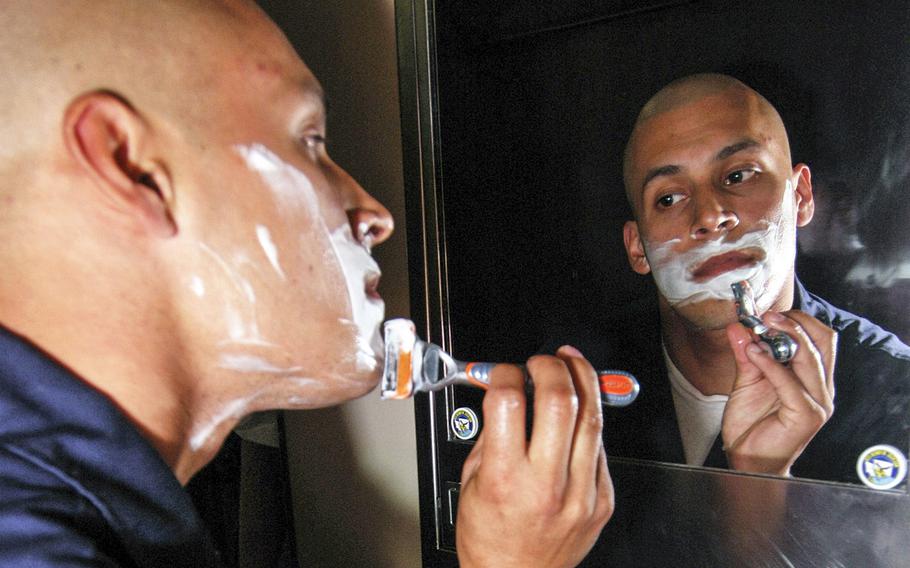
{"x":782,"y":346}
{"x":413,"y":365}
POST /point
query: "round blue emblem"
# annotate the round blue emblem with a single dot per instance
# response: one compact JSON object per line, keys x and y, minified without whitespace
{"x":882,"y":467}
{"x":464,"y":423}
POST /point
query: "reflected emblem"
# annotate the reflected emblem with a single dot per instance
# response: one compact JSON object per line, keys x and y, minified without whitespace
{"x":882,"y":467}
{"x":465,"y":424}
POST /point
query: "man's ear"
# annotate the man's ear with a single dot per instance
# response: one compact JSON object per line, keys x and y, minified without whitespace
{"x":805,"y":202}
{"x":110,"y":142}
{"x":635,"y":250}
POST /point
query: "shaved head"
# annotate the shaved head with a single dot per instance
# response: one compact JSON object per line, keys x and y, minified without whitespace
{"x":146,"y":53}
{"x":691,"y":89}
{"x":172,"y":226}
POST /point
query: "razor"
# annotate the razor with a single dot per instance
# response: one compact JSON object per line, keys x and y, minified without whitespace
{"x":413,"y":365}
{"x":782,"y":346}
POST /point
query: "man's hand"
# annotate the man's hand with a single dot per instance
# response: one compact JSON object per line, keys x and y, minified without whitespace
{"x":775,"y":410}
{"x":541,"y":502}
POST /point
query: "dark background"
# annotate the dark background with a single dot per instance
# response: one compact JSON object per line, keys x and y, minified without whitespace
{"x":536,"y":102}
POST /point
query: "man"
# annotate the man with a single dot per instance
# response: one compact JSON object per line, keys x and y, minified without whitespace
{"x":179,"y":251}
{"x":716,"y":200}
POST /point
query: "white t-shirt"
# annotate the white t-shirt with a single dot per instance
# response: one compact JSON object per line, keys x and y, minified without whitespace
{"x":699,"y":416}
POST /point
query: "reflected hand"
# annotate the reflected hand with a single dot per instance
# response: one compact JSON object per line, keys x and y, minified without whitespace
{"x":775,"y":410}
{"x":541,"y":502}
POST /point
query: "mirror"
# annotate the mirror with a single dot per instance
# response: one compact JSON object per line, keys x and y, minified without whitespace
{"x":535,"y":109}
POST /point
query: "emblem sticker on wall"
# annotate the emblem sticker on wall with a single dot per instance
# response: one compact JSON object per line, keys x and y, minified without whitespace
{"x":465,"y":424}
{"x":882,"y":467}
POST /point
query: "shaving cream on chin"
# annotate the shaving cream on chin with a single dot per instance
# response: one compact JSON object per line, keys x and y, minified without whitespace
{"x":673,"y":270}
{"x":367,"y":312}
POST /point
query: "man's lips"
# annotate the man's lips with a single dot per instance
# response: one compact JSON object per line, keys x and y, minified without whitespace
{"x":717,"y":265}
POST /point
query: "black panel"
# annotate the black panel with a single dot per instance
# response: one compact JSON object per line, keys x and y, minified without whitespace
{"x":532,"y":131}
{"x":516,"y":208}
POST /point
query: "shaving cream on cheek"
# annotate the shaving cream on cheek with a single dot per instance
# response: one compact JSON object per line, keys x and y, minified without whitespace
{"x":240,"y":307}
{"x":197,"y":286}
{"x":673,"y":270}
{"x":294,"y":191}
{"x":269,"y":248}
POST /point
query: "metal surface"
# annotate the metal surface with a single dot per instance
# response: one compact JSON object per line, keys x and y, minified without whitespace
{"x":426,"y":241}
{"x":678,"y":516}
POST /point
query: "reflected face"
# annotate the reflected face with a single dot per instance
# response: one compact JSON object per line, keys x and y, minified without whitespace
{"x":716,"y":201}
{"x":278,"y":273}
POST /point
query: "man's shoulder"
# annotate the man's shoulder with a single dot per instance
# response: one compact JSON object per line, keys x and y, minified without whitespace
{"x":858,"y":339}
{"x":41,"y":504}
{"x":78,"y":477}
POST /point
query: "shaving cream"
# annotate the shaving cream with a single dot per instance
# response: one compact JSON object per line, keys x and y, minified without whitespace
{"x":368,"y":313}
{"x":269,"y":248}
{"x":243,"y":325}
{"x":197,"y":286}
{"x":292,"y":188}
{"x":673,"y":270}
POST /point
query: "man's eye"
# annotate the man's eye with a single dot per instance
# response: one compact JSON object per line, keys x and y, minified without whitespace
{"x":739,"y":176}
{"x":313,"y":141}
{"x":669,"y":199}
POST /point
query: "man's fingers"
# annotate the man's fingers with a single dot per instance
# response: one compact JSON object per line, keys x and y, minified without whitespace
{"x":796,"y":401}
{"x":588,"y":435}
{"x":504,"y":407}
{"x":606,"y":500}
{"x":809,"y":364}
{"x":555,"y":411}
{"x":823,"y":338}
{"x":475,"y":458}
{"x":740,"y":338}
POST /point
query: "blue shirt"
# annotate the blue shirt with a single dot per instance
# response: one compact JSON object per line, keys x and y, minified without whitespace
{"x":871,"y":400}
{"x":79,"y":485}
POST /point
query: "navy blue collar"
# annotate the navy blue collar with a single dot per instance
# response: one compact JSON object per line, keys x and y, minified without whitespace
{"x":60,"y":423}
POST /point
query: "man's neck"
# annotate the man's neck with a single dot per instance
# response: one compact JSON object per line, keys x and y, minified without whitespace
{"x":703,"y":356}
{"x":121,"y":342}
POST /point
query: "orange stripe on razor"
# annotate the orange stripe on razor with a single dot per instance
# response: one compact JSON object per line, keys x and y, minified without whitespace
{"x":403,"y":386}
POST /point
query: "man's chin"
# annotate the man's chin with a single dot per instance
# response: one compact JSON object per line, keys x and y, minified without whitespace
{"x":338,"y":389}
{"x":363,"y":382}
{"x":707,"y":315}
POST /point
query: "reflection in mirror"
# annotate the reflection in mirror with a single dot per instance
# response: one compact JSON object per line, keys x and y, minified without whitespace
{"x":717,"y":200}
{"x":534,"y":126}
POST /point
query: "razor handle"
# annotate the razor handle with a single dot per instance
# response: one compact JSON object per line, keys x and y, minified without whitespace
{"x":617,"y":388}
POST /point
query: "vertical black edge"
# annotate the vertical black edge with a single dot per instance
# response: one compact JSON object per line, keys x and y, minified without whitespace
{"x":286,"y":494}
{"x":425,"y":240}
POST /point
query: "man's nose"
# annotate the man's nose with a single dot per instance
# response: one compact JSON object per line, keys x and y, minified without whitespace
{"x":370,"y":221}
{"x":711,"y":218}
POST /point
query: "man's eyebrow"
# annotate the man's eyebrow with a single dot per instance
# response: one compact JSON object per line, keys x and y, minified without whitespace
{"x":672,"y":169}
{"x":728,"y":151}
{"x":659,"y":171}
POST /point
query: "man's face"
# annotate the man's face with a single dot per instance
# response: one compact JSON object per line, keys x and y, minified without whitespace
{"x":716,"y":202}
{"x":276,"y":242}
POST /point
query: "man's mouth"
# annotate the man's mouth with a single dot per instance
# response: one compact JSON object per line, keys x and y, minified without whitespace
{"x":722,"y":263}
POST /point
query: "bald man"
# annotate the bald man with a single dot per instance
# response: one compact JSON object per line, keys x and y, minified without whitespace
{"x":179,"y":251}
{"x":717,"y":200}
